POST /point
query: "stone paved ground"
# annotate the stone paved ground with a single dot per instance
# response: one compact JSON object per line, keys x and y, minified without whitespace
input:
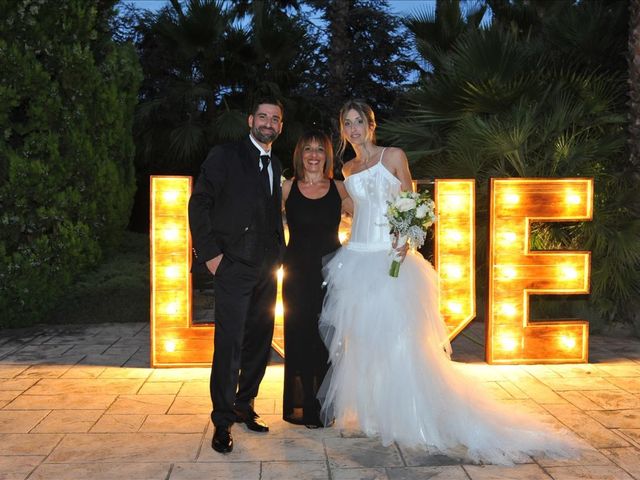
{"x":80,"y":402}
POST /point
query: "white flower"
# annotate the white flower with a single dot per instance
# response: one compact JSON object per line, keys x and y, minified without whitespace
{"x":421,"y":211}
{"x":404,"y":204}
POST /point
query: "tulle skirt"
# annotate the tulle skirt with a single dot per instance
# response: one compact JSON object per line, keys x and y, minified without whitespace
{"x":391,"y":375}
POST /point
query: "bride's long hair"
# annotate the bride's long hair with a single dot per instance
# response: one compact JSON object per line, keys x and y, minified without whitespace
{"x":366,"y":112}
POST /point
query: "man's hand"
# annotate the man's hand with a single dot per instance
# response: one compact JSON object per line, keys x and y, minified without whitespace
{"x":214,"y":263}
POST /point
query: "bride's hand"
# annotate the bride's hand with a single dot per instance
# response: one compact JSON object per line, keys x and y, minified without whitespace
{"x":401,"y":251}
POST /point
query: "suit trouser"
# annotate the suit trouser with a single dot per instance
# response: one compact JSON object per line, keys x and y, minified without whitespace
{"x":244,"y":310}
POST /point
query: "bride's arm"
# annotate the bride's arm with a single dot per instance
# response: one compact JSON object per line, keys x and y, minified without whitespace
{"x":399,"y":166}
{"x":347,"y":203}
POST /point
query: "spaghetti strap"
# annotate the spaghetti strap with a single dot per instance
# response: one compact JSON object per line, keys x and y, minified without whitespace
{"x":382,"y":154}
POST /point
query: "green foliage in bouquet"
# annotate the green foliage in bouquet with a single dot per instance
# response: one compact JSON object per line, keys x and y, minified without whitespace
{"x":539,"y":93}
{"x":67,"y":94}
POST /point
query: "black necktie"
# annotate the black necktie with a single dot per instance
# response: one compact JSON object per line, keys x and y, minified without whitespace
{"x":264,"y":161}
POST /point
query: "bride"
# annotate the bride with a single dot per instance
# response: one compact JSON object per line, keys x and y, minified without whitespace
{"x":391,"y":373}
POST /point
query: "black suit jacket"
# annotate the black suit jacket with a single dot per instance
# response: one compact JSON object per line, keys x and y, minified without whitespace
{"x":225,"y":195}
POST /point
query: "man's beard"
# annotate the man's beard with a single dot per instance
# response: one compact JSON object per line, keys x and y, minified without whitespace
{"x":268,"y":137}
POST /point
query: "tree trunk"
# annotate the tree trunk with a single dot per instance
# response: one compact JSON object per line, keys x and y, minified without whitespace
{"x":634,"y":81}
{"x":634,"y":107}
{"x":337,"y":13}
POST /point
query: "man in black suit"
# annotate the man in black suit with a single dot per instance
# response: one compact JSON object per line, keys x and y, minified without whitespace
{"x":236,"y":226}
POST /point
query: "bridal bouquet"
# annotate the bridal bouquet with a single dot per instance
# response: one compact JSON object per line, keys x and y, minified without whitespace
{"x":410,"y":214}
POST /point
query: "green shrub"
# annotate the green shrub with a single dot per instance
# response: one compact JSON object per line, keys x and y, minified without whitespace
{"x":66,"y":169}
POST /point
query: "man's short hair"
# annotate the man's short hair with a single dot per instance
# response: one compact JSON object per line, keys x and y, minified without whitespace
{"x":270,"y":100}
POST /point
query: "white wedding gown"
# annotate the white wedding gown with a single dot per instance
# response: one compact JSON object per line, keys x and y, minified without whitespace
{"x":391,"y":375}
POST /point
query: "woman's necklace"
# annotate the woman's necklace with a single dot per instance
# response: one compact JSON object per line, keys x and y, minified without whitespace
{"x":311,"y":181}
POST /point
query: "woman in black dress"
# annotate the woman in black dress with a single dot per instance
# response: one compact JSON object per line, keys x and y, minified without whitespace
{"x":313,"y":203}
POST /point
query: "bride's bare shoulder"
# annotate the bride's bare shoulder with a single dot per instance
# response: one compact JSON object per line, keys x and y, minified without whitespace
{"x":347,"y":167}
{"x":394,"y":156}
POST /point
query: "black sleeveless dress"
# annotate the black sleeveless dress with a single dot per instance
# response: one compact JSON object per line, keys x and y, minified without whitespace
{"x":313,"y":233}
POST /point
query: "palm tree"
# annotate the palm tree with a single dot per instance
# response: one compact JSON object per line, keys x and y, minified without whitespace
{"x":436,"y":30}
{"x":501,"y":105}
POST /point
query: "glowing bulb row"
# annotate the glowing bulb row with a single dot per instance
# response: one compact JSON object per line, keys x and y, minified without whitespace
{"x":567,"y":272}
{"x":571,"y":198}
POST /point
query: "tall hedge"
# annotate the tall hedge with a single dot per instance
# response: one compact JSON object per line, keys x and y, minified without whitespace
{"x":67,"y":94}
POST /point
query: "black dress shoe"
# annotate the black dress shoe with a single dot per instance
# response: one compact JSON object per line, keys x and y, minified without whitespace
{"x":252,"y":420}
{"x":222,"y":441}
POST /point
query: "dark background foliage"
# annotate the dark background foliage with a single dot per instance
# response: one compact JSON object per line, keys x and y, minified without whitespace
{"x":493,"y":88}
{"x":66,"y":169}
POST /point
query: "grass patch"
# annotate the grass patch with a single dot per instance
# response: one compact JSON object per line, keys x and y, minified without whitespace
{"x":117,"y":291}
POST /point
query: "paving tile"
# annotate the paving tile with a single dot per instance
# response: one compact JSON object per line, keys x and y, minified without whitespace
{"x":141,"y":404}
{"x":538,"y":391}
{"x":180,"y":374}
{"x":281,"y":429}
{"x":632,"y":433}
{"x":84,"y":371}
{"x":86,"y":349}
{"x":586,"y":427}
{"x":101,"y":471}
{"x":68,"y":421}
{"x":307,"y":470}
{"x":424,"y":473}
{"x":626,"y":458}
{"x":587,"y":457}
{"x":126,"y":447}
{"x":631,"y":385}
{"x":414,"y":458}
{"x":588,"y":473}
{"x":44,"y":371}
{"x":104,"y":360}
{"x":161,"y":388}
{"x":359,"y":474}
{"x":20,"y":421}
{"x":118,"y":424}
{"x":579,"y":400}
{"x":36,"y":352}
{"x":572,"y":371}
{"x":119,"y":372}
{"x":629,"y":370}
{"x":194,"y":405}
{"x":613,"y":399}
{"x":10,"y":371}
{"x":9,"y":395}
{"x":361,"y":452}
{"x":495,"y":391}
{"x":17,"y":384}
{"x":495,"y":472}
{"x":217,"y":471}
{"x":68,"y":386}
{"x":124,"y":350}
{"x":175,"y":423}
{"x":61,"y":402}
{"x":266,"y":406}
{"x":255,"y":447}
{"x":541,"y":371}
{"x":192,"y":389}
{"x":18,"y":467}
{"x":28,"y":443}
{"x":513,"y":390}
{"x":527,"y":407}
{"x":586,"y":383}
{"x":618,"y":418}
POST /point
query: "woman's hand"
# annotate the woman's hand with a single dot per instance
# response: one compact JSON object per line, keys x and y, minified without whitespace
{"x":401,"y":250}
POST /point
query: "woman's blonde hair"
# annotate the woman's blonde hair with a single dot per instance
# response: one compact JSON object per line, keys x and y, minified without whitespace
{"x":306,"y":138}
{"x":366,"y":112}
